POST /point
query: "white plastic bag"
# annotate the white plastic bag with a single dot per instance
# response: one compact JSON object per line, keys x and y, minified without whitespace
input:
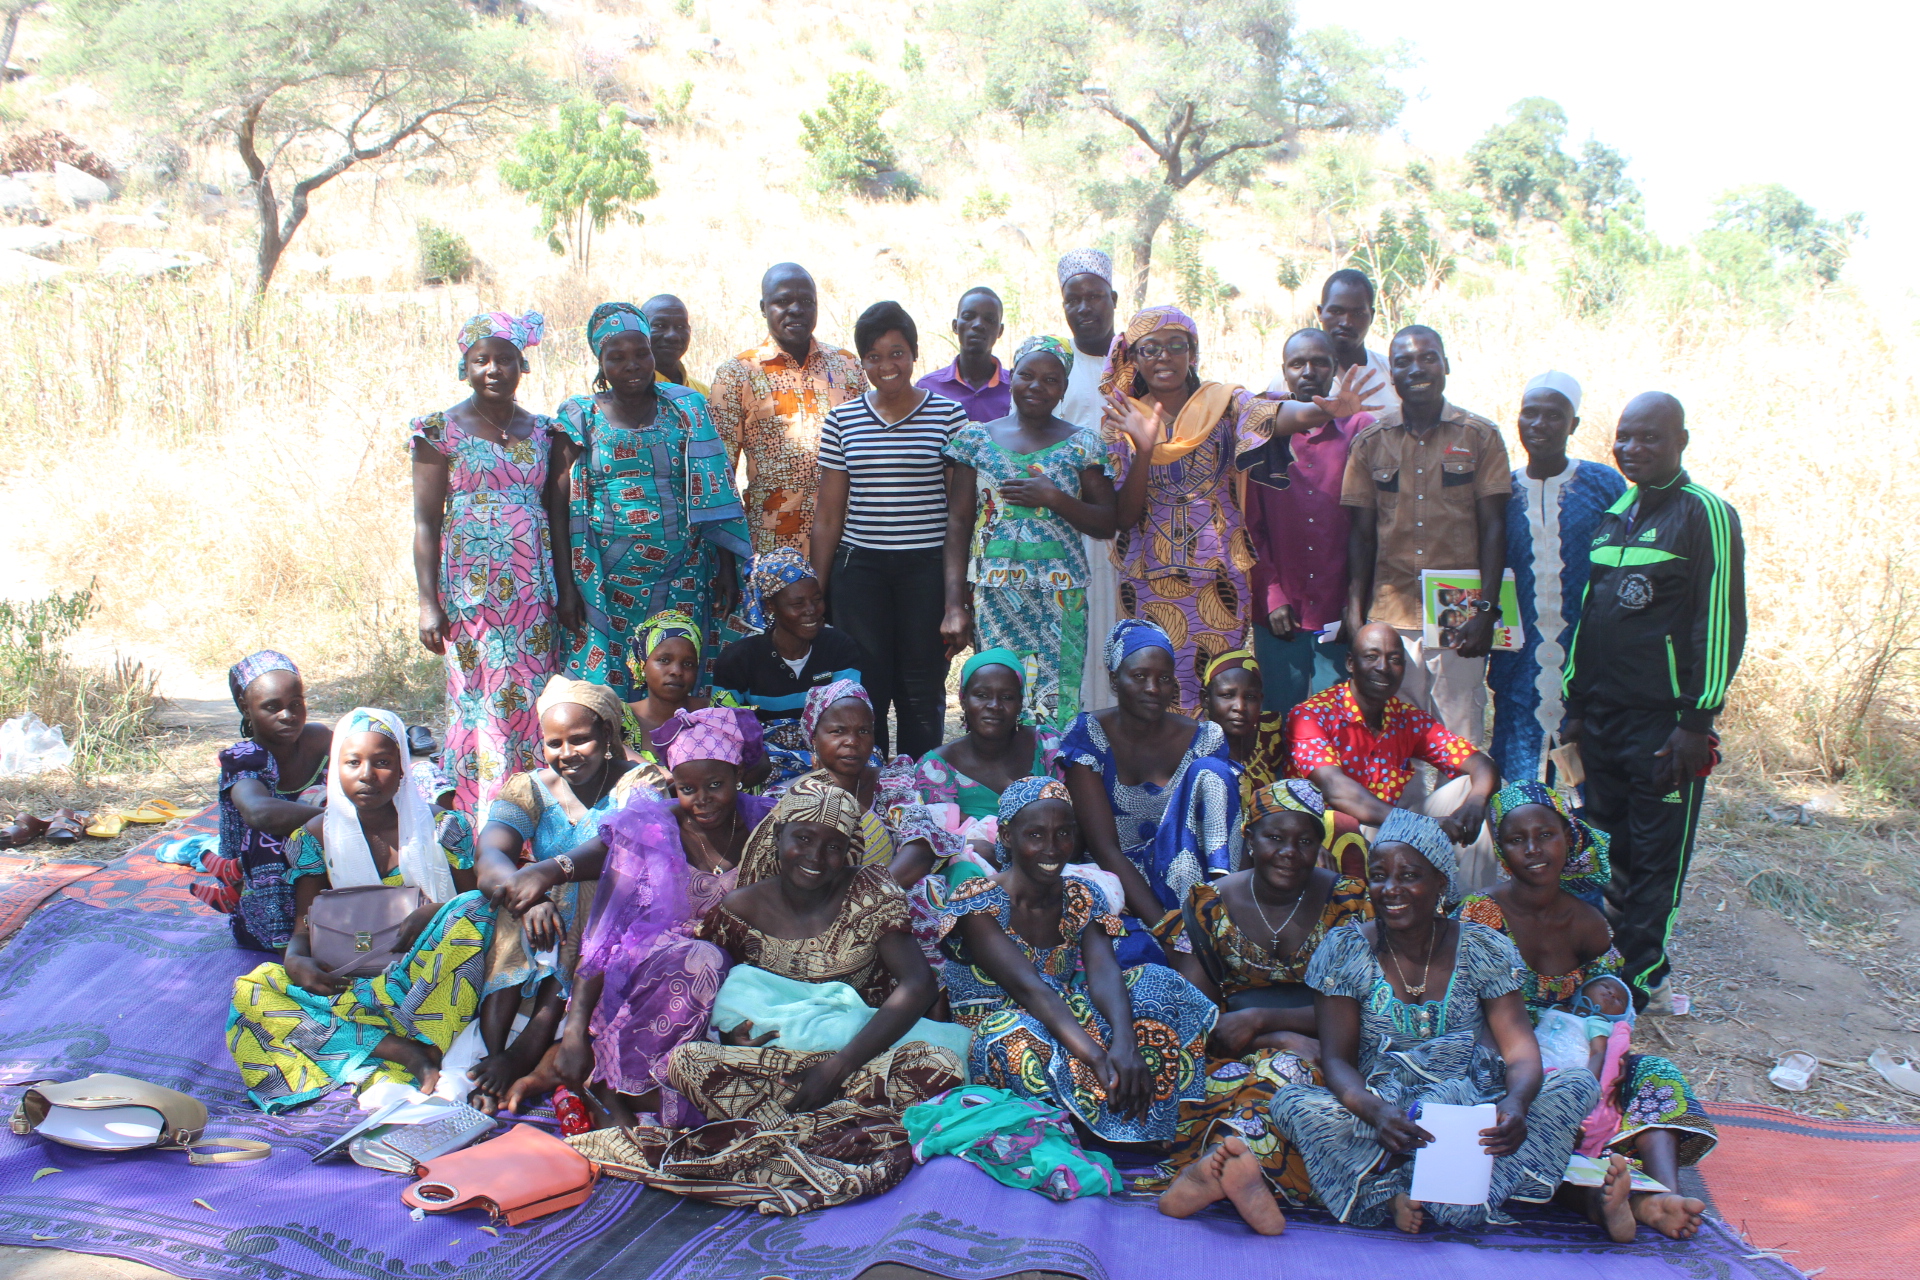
{"x":29,"y":748}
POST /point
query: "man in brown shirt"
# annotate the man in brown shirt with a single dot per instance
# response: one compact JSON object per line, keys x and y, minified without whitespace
{"x":1427,"y":485}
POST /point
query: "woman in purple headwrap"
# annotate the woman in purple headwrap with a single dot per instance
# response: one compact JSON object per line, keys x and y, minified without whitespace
{"x":264,"y":779}
{"x":1182,"y":545}
{"x":484,"y":499}
{"x":643,"y":984}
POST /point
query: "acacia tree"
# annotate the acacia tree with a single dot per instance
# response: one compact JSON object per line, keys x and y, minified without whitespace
{"x":1520,"y":165}
{"x":1790,"y":227}
{"x":1208,"y":87}
{"x":307,"y":89}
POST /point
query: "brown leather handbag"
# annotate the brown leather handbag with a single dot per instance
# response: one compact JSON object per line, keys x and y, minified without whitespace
{"x":355,"y":932}
{"x":521,"y":1175}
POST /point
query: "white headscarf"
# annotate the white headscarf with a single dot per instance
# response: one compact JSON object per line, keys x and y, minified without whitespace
{"x":349,"y":860}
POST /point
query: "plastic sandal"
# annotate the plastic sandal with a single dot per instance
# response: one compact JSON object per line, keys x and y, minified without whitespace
{"x":155,"y":809}
{"x":107,"y":825}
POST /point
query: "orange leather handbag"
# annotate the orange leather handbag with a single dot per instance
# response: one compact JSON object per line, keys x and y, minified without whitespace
{"x":521,"y":1175}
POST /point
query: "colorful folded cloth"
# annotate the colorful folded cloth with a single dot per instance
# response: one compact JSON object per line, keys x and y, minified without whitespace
{"x":1017,"y":1142}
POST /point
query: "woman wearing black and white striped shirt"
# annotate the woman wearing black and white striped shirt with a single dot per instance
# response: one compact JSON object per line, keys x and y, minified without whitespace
{"x":880,"y":523}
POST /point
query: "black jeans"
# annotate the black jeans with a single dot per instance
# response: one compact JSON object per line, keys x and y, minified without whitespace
{"x":892,"y":603}
{"x":1652,"y":828}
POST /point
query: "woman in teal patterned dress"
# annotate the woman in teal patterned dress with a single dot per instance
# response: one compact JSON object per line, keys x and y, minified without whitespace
{"x":654,"y":522}
{"x":1647,"y":1110}
{"x":1026,"y":487}
{"x":1386,"y":1048}
{"x":1031,"y":971}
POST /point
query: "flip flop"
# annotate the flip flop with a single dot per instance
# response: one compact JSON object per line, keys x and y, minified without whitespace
{"x":155,"y":809}
{"x":65,"y":826}
{"x":24,"y":829}
{"x":106,"y":825}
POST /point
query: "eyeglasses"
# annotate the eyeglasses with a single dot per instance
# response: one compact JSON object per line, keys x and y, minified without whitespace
{"x":1154,"y":350}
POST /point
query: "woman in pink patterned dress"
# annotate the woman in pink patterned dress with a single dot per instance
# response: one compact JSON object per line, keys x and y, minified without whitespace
{"x":482,"y":501}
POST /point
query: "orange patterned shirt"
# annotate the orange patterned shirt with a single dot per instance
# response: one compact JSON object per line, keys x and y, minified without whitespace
{"x":772,"y":406}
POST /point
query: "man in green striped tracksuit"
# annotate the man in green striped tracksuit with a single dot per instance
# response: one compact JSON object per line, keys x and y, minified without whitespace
{"x":1660,"y":636}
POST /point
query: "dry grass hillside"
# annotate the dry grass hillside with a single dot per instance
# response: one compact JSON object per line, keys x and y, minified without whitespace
{"x":233,"y":476}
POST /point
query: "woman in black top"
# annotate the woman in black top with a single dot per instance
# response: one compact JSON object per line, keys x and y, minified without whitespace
{"x":880,"y":526}
{"x":794,"y":651}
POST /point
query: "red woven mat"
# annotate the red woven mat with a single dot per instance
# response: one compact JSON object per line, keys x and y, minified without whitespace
{"x":1833,"y":1194}
{"x":23,"y":886}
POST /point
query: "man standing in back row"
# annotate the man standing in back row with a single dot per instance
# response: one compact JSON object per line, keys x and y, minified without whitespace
{"x":770,"y":402}
{"x":1427,"y":486}
{"x":1088,"y":298}
{"x":1345,"y":315}
{"x":976,"y":380}
{"x":1660,"y":636}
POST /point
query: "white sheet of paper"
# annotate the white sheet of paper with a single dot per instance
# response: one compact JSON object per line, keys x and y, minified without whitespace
{"x":1454,"y":1168}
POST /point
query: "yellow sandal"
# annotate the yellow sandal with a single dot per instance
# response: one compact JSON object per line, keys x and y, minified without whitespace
{"x":154,"y":809}
{"x":106,"y":826}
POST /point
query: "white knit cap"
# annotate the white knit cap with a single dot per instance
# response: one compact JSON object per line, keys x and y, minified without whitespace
{"x":1554,"y":380}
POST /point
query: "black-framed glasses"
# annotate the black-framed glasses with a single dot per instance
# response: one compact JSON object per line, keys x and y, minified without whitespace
{"x":1151,"y":350}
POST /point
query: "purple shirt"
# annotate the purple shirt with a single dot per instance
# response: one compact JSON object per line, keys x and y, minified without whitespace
{"x":983,"y":404}
{"x":1300,"y":533}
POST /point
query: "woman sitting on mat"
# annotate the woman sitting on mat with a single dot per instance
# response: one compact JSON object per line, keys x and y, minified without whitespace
{"x":1246,"y":941}
{"x":1647,"y":1110}
{"x":296,"y":1030}
{"x":1031,"y":969}
{"x":1256,"y":739}
{"x":1153,"y":791}
{"x":807,"y":910}
{"x":794,"y":653}
{"x":258,"y":810}
{"x":999,"y":746}
{"x":1417,"y":1008}
{"x":665,"y":660}
{"x":524,"y":868}
{"x":897,"y":832}
{"x":643,"y":984}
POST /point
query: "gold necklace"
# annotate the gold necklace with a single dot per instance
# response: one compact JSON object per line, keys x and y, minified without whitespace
{"x":1417,"y":995}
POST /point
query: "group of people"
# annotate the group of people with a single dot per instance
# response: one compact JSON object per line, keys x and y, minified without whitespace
{"x":1237,"y":881}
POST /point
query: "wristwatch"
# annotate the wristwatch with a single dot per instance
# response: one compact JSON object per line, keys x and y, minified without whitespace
{"x":1483,"y":605}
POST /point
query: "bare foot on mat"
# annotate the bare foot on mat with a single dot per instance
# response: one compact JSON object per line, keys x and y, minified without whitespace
{"x":1674,"y":1216}
{"x":1408,"y":1214}
{"x":1616,"y":1215}
{"x":1197,"y":1186}
{"x":1246,"y":1185}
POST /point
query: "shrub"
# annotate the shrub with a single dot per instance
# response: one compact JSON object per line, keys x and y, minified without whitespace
{"x":588,"y":170}
{"x":862,"y":49}
{"x":107,"y":714}
{"x":1197,"y":285}
{"x":911,"y":60}
{"x":1404,"y":258}
{"x":849,"y":148}
{"x":983,"y":204}
{"x":444,"y":256}
{"x":1290,"y":273}
{"x":675,"y":105}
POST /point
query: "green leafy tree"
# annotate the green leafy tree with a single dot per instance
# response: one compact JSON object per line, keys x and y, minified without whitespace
{"x":307,"y":89}
{"x":1207,"y":88}
{"x":1602,"y":265}
{"x":585,"y":171}
{"x":1521,"y":167}
{"x":1790,"y":227}
{"x":1519,"y":163}
{"x":1404,"y":258}
{"x":849,"y":147}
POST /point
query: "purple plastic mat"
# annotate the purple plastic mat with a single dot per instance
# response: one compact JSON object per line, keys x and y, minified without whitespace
{"x":145,"y":994}
{"x":950,"y":1219}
